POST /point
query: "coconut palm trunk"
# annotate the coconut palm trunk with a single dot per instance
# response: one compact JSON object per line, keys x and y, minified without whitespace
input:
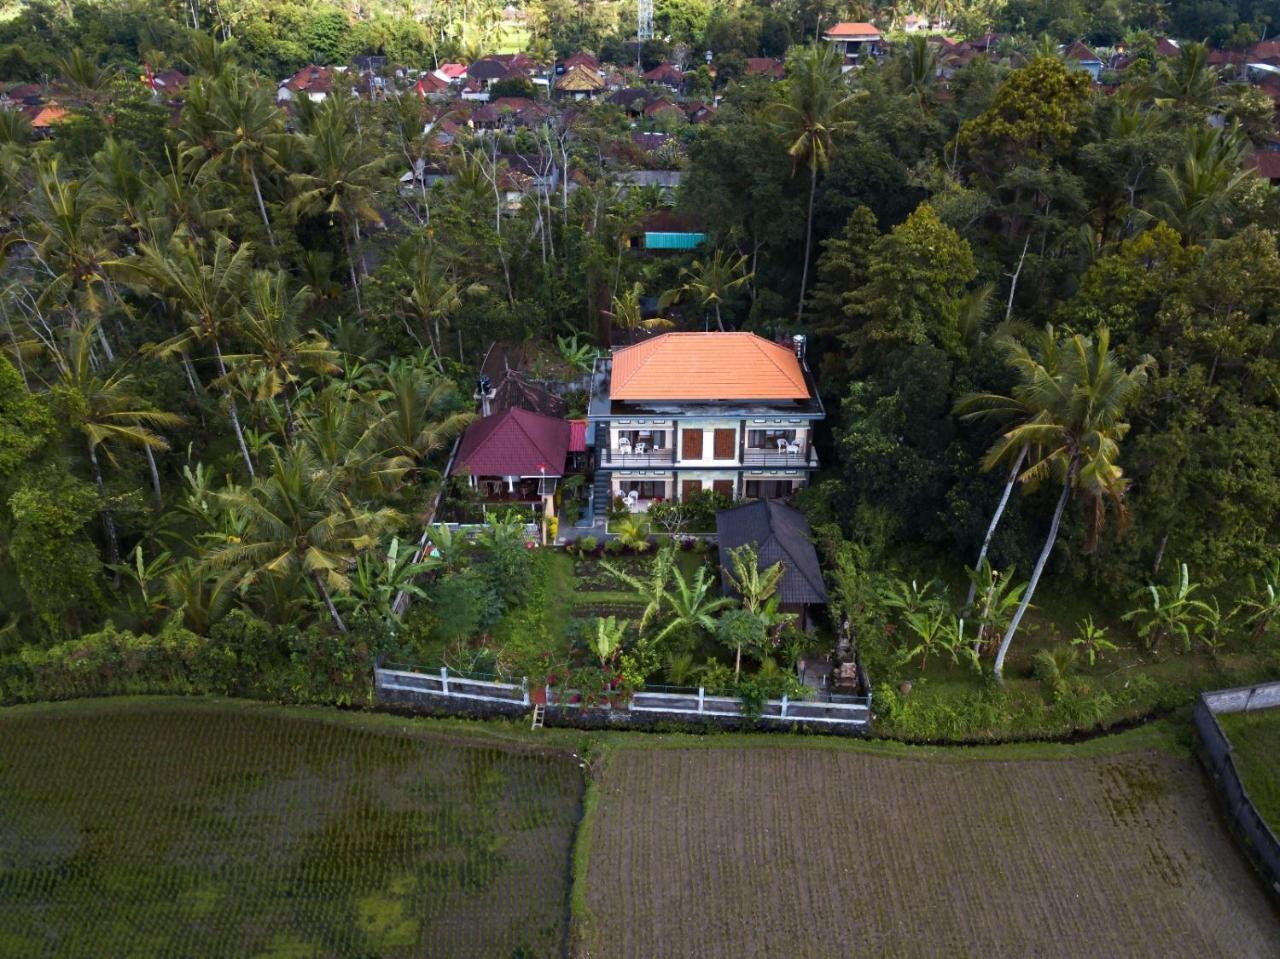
{"x":995,"y":521}
{"x":108,"y":521}
{"x":262,"y":207}
{"x":232,"y":411}
{"x":328,"y":602}
{"x":808,"y":239}
{"x":155,"y":474}
{"x":1049,"y":543}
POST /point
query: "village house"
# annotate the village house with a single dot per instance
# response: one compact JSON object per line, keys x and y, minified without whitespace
{"x":514,"y":457}
{"x":680,"y":413}
{"x":855,"y":41}
{"x":579,"y":82}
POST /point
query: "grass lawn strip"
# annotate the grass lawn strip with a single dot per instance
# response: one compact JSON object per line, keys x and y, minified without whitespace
{"x":1255,"y":747}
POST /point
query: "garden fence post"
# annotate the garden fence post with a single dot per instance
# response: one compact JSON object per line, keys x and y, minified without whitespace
{"x":701,"y":692}
{"x":546,"y":693}
{"x":784,"y":705}
{"x":524,"y":689}
{"x":444,"y":680}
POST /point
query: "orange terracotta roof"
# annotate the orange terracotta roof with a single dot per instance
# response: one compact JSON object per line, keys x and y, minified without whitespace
{"x":852,"y":30}
{"x":707,"y":366}
{"x":49,"y":116}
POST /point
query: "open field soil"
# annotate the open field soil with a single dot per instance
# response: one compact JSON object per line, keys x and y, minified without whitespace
{"x":1255,"y":747}
{"x":728,"y":852}
{"x":171,"y":830}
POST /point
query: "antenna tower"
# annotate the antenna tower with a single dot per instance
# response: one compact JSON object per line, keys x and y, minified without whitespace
{"x":644,"y":21}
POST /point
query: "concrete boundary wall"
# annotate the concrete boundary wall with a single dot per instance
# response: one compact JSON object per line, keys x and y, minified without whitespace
{"x":1260,"y":842}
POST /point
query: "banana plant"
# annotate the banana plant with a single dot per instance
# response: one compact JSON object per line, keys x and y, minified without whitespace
{"x":1261,"y":609}
{"x":379,"y":579}
{"x":1092,"y":639}
{"x":1171,"y":613}
{"x":147,"y":578}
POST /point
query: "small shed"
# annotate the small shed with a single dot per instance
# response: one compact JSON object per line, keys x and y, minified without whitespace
{"x":779,"y":533}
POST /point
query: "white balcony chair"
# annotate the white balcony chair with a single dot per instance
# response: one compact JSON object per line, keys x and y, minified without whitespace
{"x":642,"y":447}
{"x":624,"y":445}
{"x":633,"y":497}
{"x":793,"y":449}
{"x":782,"y":444}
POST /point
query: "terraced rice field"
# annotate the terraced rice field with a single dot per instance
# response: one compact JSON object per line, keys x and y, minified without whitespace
{"x":765,"y":852}
{"x":191,"y":829}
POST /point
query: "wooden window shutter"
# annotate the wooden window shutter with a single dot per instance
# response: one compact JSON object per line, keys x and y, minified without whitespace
{"x":725,"y":441}
{"x":691,"y":444}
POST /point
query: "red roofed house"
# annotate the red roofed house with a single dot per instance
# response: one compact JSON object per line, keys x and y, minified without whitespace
{"x":312,"y":82}
{"x":663,"y":105}
{"x":680,"y":413}
{"x":46,"y":118}
{"x":854,"y":40}
{"x":666,"y":73}
{"x":765,"y":67}
{"x":453,"y":71}
{"x":1266,"y":161}
{"x":1085,"y":59}
{"x":515,"y":456}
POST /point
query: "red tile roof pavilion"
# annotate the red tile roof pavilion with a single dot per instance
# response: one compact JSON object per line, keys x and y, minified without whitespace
{"x":515,"y":442}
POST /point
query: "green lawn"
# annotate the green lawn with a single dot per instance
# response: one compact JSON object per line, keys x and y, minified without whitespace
{"x":181,"y":828}
{"x":1255,"y":744}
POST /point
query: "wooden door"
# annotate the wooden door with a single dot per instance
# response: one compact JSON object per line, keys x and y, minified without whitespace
{"x":688,"y":488}
{"x":723,"y":487}
{"x":691,"y":444}
{"x":725,"y":443}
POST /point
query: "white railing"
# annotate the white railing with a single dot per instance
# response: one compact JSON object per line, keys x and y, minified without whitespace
{"x":849,"y":711}
{"x":453,"y":685}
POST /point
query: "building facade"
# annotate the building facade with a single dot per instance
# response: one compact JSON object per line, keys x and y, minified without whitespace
{"x":686,"y":412}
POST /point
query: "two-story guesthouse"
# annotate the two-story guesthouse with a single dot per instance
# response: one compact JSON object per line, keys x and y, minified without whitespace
{"x":683,"y":412}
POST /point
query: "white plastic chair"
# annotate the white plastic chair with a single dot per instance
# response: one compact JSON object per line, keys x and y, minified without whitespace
{"x":642,"y":447}
{"x":793,"y":449}
{"x":782,"y":444}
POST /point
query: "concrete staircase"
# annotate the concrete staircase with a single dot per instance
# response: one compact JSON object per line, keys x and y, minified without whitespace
{"x":600,"y":487}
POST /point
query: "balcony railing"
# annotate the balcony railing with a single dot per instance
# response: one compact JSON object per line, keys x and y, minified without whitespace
{"x":759,"y":458}
{"x":661,"y":457}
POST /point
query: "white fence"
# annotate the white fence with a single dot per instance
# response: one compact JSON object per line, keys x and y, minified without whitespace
{"x":848,"y":713}
{"x":442,"y":683}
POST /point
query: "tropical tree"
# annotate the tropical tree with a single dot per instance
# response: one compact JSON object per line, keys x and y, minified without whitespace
{"x":271,"y":322}
{"x":1261,"y":608}
{"x":380,"y":579}
{"x":108,"y":412}
{"x":709,"y":282}
{"x":691,"y":604}
{"x":232,"y":121}
{"x":1199,"y":194}
{"x":604,"y":638}
{"x":1092,"y":638}
{"x":1171,"y":612}
{"x":1017,"y":409}
{"x":1076,"y":438}
{"x":339,"y":179}
{"x":627,"y":313}
{"x":419,"y":411}
{"x":206,"y":294}
{"x":812,"y":115}
{"x":431,"y":298}
{"x":1188,"y":80}
{"x":299,"y":525}
{"x":652,"y":588}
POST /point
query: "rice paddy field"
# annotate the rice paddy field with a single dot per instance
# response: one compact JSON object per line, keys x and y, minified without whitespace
{"x":1255,"y":747}
{"x":762,"y":852}
{"x":178,"y":829}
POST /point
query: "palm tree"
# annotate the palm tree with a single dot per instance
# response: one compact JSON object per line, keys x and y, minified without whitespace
{"x":420,"y":411}
{"x":812,"y":115}
{"x":755,"y":586}
{"x":340,"y":179}
{"x":84,"y":75}
{"x":108,"y":411}
{"x":1188,"y":81}
{"x":1082,"y":397}
{"x":271,"y":322}
{"x":232,"y":121}
{"x":628,"y":314}
{"x":1018,"y":409}
{"x":124,"y":189}
{"x":919,"y":70}
{"x":206,"y":294}
{"x":1198,"y":195}
{"x":710,"y":282}
{"x":431,"y":298}
{"x":298,"y":524}
{"x":72,"y":243}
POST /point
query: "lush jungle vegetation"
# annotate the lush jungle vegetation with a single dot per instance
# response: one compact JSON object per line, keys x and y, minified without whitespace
{"x":236,"y":349}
